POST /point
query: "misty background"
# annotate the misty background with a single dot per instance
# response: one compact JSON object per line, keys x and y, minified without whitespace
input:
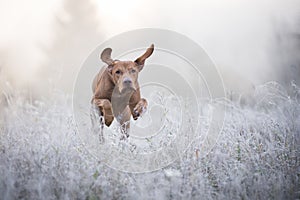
{"x":254,"y":154}
{"x":43,"y":44}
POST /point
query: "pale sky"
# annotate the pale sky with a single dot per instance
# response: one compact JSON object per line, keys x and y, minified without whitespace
{"x":237,"y":34}
{"x":24,"y":26}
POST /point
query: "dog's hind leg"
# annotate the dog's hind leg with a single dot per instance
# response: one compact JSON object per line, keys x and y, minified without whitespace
{"x":125,"y":130}
{"x":97,"y":121}
{"x":101,"y":137}
{"x":124,"y":121}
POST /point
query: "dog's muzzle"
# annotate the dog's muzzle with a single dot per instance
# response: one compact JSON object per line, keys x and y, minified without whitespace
{"x":127,"y":85}
{"x":127,"y":82}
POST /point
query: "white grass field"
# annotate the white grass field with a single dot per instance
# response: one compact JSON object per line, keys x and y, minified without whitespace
{"x":256,"y":157}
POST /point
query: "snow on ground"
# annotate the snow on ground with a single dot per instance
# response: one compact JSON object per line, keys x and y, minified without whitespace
{"x":256,"y":156}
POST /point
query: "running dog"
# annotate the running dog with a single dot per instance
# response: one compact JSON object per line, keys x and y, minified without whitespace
{"x":116,"y":92}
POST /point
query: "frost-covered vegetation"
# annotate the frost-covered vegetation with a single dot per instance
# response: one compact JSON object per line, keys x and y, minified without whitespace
{"x":256,"y":156}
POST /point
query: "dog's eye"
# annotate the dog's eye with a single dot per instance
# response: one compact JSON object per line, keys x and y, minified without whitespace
{"x":133,"y":71}
{"x":118,"y":72}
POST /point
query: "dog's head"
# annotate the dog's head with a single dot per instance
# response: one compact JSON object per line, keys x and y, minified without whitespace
{"x":124,"y":74}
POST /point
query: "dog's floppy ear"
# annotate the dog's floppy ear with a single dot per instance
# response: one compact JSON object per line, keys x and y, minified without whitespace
{"x":106,"y":56}
{"x":141,"y":60}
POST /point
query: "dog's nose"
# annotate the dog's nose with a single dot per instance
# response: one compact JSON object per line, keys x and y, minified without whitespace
{"x":127,"y":81}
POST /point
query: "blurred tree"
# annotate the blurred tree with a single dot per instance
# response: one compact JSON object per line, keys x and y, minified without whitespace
{"x":75,"y":35}
{"x":287,"y":47}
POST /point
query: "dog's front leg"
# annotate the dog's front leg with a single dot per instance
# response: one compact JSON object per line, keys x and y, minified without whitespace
{"x":138,"y":109}
{"x":105,"y":109}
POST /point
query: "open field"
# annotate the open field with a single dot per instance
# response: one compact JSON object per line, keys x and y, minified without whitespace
{"x":256,"y":157}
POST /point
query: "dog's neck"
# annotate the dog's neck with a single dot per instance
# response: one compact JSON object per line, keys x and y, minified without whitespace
{"x":120,"y":100}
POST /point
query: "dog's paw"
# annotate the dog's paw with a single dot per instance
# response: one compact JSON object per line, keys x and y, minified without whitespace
{"x":139,"y":109}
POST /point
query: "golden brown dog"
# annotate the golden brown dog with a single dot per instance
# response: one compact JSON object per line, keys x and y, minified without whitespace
{"x":116,"y":90}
